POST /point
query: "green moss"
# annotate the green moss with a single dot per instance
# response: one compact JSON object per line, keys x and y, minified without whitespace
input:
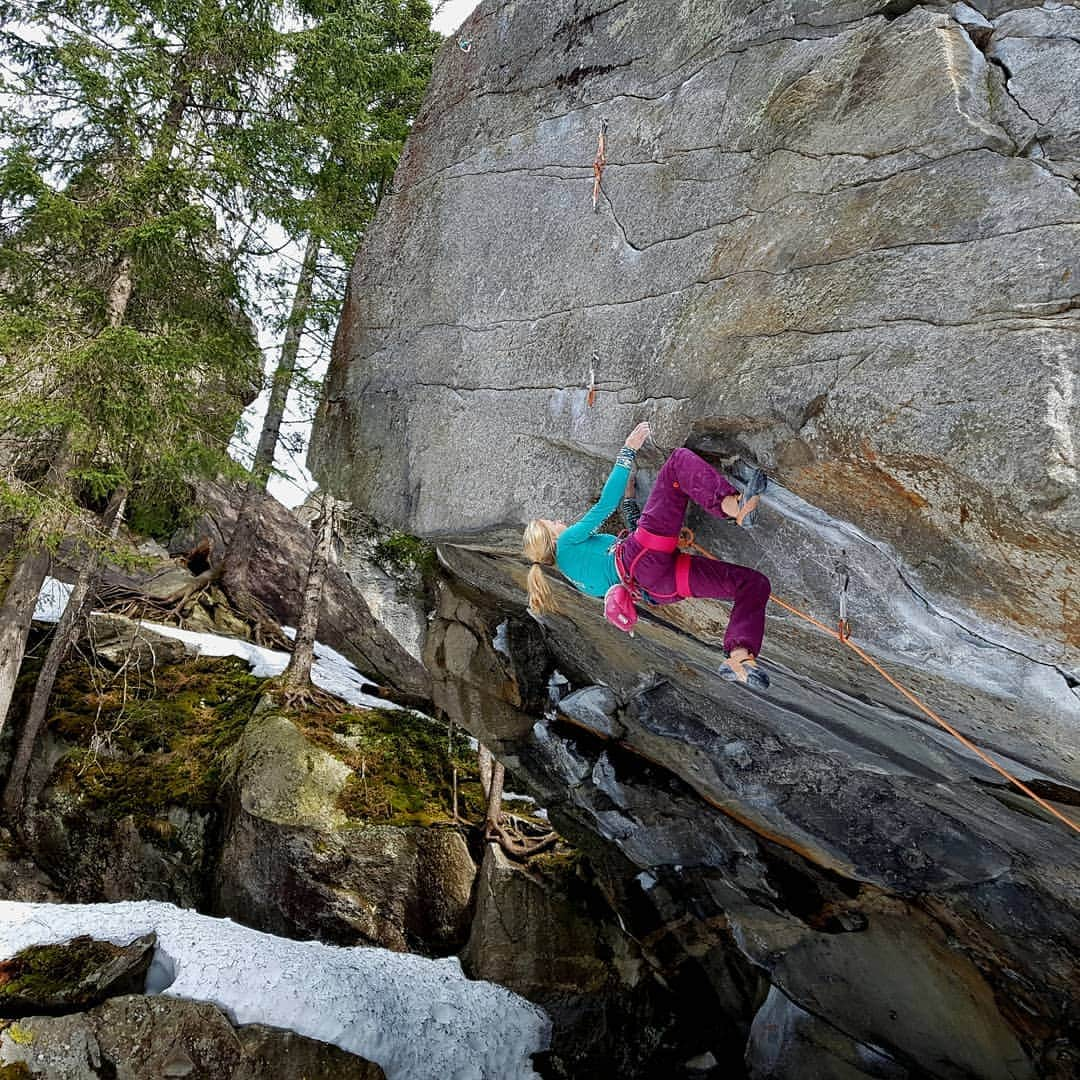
{"x":404,"y":554}
{"x":17,"y":1070}
{"x":160,"y":515}
{"x":402,"y":766}
{"x":155,"y":742}
{"x":23,"y":1036}
{"x":558,"y":867}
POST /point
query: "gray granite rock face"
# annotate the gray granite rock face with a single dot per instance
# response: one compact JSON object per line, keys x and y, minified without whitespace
{"x":838,"y":240}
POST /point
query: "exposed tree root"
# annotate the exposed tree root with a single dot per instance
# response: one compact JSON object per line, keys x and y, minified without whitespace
{"x":310,"y":698}
{"x":514,"y":843}
{"x":180,"y":597}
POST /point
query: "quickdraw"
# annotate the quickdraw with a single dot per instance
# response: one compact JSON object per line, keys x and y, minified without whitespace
{"x":843,"y":577}
{"x":599,"y":162}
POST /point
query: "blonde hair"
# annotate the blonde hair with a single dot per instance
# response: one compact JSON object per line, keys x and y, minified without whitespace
{"x":538,"y":543}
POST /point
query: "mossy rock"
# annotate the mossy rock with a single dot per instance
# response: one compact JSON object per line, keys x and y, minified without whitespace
{"x":73,"y":975}
{"x":402,"y":553}
{"x":402,"y":766}
{"x":164,"y":736}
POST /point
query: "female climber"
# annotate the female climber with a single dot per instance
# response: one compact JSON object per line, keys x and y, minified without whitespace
{"x":592,"y":560}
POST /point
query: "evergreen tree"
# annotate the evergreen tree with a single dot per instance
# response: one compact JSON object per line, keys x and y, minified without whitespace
{"x":326,"y":150}
{"x":122,"y":327}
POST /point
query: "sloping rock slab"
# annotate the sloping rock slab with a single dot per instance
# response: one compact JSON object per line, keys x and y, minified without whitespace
{"x":279,"y":563}
{"x":834,"y":846}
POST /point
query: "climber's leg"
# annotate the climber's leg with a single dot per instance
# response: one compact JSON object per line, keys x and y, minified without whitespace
{"x":684,"y":476}
{"x":749,"y":589}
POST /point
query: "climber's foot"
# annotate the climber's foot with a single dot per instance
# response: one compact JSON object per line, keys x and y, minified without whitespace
{"x":747,"y":516}
{"x":743,"y":668}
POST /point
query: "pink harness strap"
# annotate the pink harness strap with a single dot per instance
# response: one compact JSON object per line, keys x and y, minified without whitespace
{"x":682,"y":574}
{"x":655,"y":542}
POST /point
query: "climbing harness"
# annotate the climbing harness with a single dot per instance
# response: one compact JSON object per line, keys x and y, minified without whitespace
{"x":686,"y":540}
{"x":620,"y":599}
{"x":599,"y":162}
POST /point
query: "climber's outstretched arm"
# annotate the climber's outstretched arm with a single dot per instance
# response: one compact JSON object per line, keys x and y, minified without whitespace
{"x":594,"y":517}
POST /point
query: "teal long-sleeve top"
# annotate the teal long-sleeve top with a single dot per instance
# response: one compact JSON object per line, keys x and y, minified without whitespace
{"x":584,"y":555}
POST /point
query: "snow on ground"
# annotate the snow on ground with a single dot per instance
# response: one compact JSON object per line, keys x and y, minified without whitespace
{"x":51,"y":601}
{"x":419,"y":1019}
{"x":330,"y":671}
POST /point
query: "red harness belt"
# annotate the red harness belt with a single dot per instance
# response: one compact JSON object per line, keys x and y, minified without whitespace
{"x":654,"y":542}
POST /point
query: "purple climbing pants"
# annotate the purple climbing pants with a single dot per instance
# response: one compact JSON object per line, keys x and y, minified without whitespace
{"x":685,"y":476}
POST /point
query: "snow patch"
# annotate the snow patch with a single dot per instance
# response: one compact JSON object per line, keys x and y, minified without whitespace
{"x":646,"y":880}
{"x":419,"y":1019}
{"x":51,"y":601}
{"x":330,"y":671}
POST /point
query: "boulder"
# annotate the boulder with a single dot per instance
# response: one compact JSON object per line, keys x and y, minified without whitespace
{"x":75,"y":975}
{"x":839,"y":243}
{"x":117,"y":640}
{"x":161,"y":1038}
{"x":293,"y":864}
{"x":544,"y":932}
{"x":277,"y":574}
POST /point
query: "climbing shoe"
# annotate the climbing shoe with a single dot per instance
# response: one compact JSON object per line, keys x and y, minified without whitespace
{"x":756,"y":679}
{"x":755,"y":486}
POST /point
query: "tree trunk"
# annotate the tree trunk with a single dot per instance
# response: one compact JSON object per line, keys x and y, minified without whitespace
{"x":483,"y":765}
{"x":16,"y":614}
{"x":63,"y":637}
{"x":119,"y":293}
{"x":21,"y":596}
{"x":20,"y":599}
{"x":493,"y":815}
{"x":286,"y":366}
{"x":298,"y":673}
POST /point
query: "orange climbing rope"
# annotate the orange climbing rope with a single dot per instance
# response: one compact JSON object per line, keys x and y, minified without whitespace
{"x":843,"y":635}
